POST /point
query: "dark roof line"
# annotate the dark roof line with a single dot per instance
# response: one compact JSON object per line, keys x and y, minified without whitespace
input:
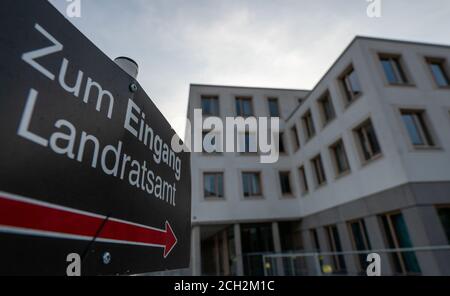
{"x":402,"y":41}
{"x":251,"y":87}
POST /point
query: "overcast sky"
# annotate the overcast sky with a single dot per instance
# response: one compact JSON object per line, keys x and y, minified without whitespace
{"x":268,"y":43}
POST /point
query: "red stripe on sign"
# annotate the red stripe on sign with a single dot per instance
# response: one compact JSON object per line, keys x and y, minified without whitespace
{"x":30,"y":216}
{"x":24,"y":213}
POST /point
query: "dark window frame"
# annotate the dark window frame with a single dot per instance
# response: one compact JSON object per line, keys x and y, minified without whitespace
{"x":308,"y":125}
{"x":287,"y":175}
{"x":443,"y":67}
{"x":397,"y":65}
{"x":365,"y":239}
{"x":350,"y":94}
{"x":295,"y":138}
{"x":440,"y":209}
{"x":303,"y":180}
{"x":369,"y":148}
{"x":211,"y":98}
{"x":281,"y":143}
{"x":259,"y":192}
{"x":422,"y":127}
{"x":339,"y":168}
{"x":399,"y":259}
{"x":315,"y":239}
{"x":240,"y":107}
{"x":319,"y":170}
{"x":335,"y":245}
{"x":218,"y":195}
{"x":327,"y":110}
{"x":276,"y":101}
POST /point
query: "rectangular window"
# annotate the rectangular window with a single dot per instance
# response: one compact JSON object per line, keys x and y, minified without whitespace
{"x":274,"y":108}
{"x":256,"y":239}
{"x":439,"y":72}
{"x":339,"y":157}
{"x":417,"y":129}
{"x":252,"y":184}
{"x":351,"y":86}
{"x":393,"y":69}
{"x":308,"y":125}
{"x":360,"y":240}
{"x":335,"y":246}
{"x":303,"y":180}
{"x":213,"y":185}
{"x":319,"y":170}
{"x":244,"y":107}
{"x":397,"y":237}
{"x":316,"y":245}
{"x":326,"y":109}
{"x":285,"y":182}
{"x":367,"y":140}
{"x":444,"y":216}
{"x":315,"y":240}
{"x":210,"y":105}
{"x":281,"y":146}
{"x":295,"y":138}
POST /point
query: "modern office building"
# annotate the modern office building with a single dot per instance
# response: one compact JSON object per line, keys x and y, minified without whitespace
{"x":364,"y":165}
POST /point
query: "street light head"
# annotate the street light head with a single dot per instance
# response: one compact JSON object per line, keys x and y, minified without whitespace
{"x":128,"y":65}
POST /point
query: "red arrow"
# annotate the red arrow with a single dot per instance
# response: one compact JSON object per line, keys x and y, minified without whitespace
{"x":26,"y":216}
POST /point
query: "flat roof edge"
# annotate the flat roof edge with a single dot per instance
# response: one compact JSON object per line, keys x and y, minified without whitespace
{"x":250,"y":87}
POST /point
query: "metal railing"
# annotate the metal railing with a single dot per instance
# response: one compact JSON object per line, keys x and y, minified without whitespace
{"x":402,"y":261}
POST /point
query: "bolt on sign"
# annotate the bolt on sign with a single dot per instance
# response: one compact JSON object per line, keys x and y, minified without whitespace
{"x":87,"y":165}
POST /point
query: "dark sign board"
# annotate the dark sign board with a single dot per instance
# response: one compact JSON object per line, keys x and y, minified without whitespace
{"x":87,"y":166}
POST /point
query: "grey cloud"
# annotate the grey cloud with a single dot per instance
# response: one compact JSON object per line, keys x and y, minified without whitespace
{"x":285,"y":43}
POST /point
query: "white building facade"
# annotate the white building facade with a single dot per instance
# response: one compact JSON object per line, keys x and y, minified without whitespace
{"x":364,"y":165}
